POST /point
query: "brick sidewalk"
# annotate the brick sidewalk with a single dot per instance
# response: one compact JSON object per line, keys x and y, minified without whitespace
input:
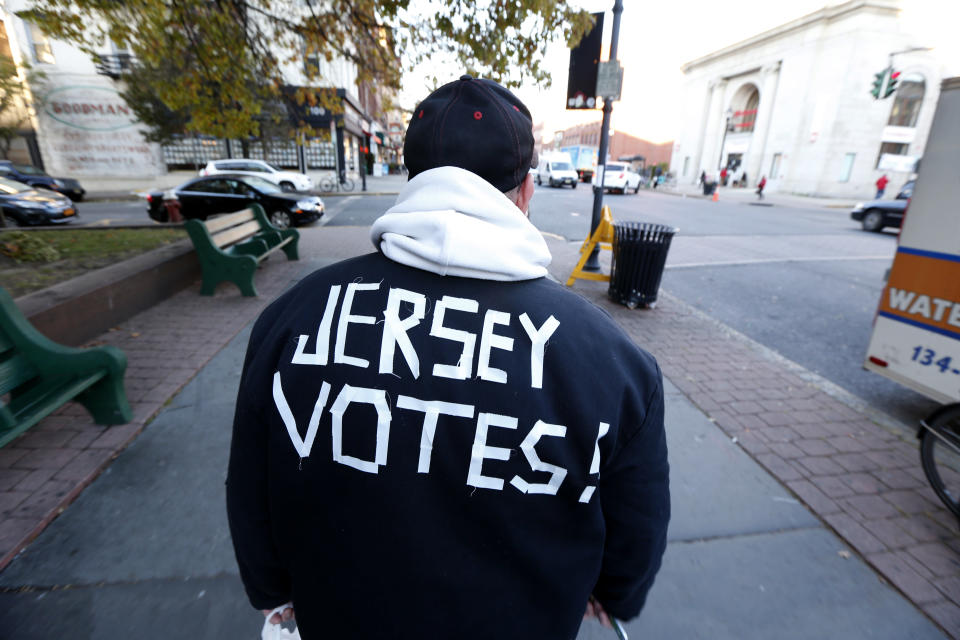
{"x":862,"y":479}
{"x":46,"y":468}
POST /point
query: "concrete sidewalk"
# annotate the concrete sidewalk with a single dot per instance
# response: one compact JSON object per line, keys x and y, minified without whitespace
{"x":749,"y":195}
{"x":787,"y":502}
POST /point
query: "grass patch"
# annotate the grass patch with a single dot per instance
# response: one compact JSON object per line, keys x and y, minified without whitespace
{"x":33,"y":260}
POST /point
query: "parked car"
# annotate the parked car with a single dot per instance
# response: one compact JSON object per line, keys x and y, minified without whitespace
{"x":877,"y":214}
{"x":620,"y":177}
{"x":203,"y":197}
{"x":35,"y":177}
{"x":25,"y":205}
{"x":556,"y":173}
{"x":287,"y":180}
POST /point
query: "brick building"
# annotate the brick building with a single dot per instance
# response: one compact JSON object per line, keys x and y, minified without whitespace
{"x":622,"y":145}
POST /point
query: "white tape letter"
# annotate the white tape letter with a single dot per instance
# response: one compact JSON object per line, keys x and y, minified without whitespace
{"x":463,"y":369}
{"x":376,"y":397}
{"x":595,"y":463}
{"x":538,"y":342}
{"x":302,"y":446}
{"x":432,"y":410}
{"x":528,"y":446}
{"x":489,"y":340}
{"x":323,"y":334}
{"x":475,"y":477}
{"x":339,"y":356}
{"x":395,"y":329}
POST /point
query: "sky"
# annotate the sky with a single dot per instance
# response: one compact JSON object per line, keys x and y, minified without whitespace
{"x":657,"y":38}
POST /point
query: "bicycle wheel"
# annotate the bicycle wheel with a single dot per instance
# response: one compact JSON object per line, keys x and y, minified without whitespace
{"x":347,"y":184}
{"x":940,"y":455}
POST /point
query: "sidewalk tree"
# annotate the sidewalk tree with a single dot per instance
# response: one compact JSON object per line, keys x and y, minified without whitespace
{"x":214,"y":66}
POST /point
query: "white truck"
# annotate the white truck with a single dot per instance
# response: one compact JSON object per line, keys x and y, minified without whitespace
{"x":916,"y":332}
{"x":556,"y":170}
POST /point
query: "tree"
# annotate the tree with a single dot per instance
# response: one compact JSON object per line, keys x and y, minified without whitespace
{"x":14,"y":100}
{"x":218,"y":66}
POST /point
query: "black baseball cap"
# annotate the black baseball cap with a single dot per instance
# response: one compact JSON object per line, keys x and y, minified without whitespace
{"x":475,"y":124}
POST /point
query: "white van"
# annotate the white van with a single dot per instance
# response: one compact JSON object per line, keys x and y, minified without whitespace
{"x":557,"y":170}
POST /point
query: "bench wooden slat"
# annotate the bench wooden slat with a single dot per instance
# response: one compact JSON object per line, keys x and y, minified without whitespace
{"x":223,"y":222}
{"x":14,"y":371}
{"x":275,"y":248}
{"x":235,"y":234}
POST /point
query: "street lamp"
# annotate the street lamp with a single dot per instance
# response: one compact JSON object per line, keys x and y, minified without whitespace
{"x":729,"y":115}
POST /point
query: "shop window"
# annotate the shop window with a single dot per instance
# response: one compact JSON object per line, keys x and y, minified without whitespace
{"x":42,"y":52}
{"x":906,"y":104}
{"x":895,"y":148}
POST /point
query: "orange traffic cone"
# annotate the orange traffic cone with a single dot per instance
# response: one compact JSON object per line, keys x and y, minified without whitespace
{"x":716,"y":196}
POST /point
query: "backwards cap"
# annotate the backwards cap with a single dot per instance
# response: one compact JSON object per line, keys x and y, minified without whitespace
{"x":474,"y":124}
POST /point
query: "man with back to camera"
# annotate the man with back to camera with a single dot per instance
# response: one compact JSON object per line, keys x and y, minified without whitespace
{"x":437,"y":441}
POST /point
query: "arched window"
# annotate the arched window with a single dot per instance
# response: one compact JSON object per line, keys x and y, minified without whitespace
{"x":744,"y":106}
{"x":906,"y":105}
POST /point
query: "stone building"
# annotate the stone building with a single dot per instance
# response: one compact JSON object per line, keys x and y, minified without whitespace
{"x":794,"y":103}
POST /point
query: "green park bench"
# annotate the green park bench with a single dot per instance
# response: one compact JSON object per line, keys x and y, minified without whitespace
{"x":37,"y":376}
{"x":231,"y":247}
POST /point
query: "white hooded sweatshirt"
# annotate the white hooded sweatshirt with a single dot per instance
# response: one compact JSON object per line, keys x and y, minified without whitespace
{"x":450,"y":221}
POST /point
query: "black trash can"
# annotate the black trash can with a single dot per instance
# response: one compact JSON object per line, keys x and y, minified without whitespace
{"x":708,"y":188}
{"x":639,"y":255}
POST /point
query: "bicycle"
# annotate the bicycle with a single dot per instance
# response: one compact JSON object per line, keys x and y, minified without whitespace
{"x":329,"y":185}
{"x":940,"y":454}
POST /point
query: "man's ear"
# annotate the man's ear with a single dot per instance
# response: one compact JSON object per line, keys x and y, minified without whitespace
{"x":525,"y":194}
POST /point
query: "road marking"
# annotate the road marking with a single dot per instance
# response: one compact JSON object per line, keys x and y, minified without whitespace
{"x":337,"y":209}
{"x":738,"y":263}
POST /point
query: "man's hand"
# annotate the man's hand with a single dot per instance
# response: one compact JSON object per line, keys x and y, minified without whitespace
{"x":285,"y":616}
{"x":594,"y":610}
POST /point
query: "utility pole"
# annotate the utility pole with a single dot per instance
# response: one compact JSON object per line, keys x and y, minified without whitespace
{"x":593,"y":262}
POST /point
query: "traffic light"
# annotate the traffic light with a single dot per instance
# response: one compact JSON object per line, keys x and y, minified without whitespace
{"x":878,"y":79}
{"x":891,"y":84}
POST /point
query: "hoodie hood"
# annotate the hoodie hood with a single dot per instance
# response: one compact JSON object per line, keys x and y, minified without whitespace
{"x":453,"y":222}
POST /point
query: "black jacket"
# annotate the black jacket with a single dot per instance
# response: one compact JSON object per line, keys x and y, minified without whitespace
{"x":491,"y":524}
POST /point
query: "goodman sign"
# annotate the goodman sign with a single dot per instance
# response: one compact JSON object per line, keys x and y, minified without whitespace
{"x":89,"y":108}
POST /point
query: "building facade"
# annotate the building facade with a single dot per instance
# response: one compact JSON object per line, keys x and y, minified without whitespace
{"x":79,"y":126}
{"x":621,"y":146}
{"x":793,"y":104}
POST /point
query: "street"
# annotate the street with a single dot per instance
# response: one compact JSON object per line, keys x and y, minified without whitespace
{"x":802,"y":282}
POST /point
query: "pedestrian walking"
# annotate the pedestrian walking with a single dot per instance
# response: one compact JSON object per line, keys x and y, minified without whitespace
{"x":723,"y":176}
{"x":703,"y":178}
{"x":882,"y":185}
{"x":743,"y":180}
{"x":409,"y":458}
{"x":760,"y":186}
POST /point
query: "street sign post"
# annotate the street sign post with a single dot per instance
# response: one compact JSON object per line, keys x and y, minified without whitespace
{"x":610,"y":80}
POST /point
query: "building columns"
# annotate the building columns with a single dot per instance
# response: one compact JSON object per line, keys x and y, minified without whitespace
{"x":770,"y":75}
{"x":713,"y":126}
